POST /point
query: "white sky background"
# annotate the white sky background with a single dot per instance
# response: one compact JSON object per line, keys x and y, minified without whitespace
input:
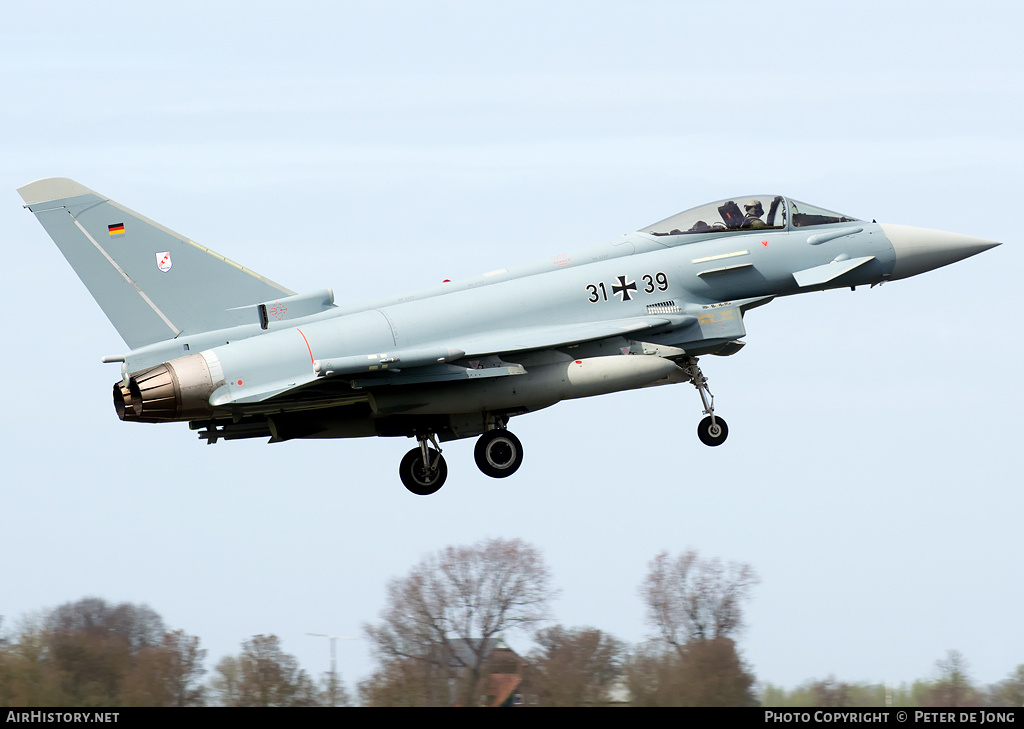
{"x":871,"y":474}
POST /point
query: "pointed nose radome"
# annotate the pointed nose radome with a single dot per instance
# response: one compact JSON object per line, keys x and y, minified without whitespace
{"x":919,"y":249}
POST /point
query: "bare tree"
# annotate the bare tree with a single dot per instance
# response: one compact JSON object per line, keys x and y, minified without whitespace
{"x":224,"y":684}
{"x":707,"y":672}
{"x":333,"y":692}
{"x":651,"y":675}
{"x":183,"y":668}
{"x":400,"y":682}
{"x":138,"y":626}
{"x":167,"y":674}
{"x":94,"y":653}
{"x":953,"y":687}
{"x":1010,"y":691}
{"x":7,"y":668}
{"x":830,"y":693}
{"x":576,"y":667}
{"x":263,"y":675}
{"x":448,"y":612}
{"x":689,"y":598}
{"x":696,"y":606}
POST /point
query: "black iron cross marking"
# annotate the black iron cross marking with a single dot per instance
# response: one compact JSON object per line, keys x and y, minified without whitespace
{"x":624,"y":289}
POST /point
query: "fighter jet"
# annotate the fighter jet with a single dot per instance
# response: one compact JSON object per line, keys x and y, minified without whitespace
{"x":236,"y":355}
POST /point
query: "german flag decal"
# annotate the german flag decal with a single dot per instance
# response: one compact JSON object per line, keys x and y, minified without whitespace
{"x":115,"y":229}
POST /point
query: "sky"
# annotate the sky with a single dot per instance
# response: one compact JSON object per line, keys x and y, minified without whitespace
{"x":871,"y":474}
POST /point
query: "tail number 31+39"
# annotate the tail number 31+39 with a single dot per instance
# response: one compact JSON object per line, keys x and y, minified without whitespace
{"x":622,"y":287}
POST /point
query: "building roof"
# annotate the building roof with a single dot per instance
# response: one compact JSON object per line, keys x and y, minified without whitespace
{"x":463,"y":654}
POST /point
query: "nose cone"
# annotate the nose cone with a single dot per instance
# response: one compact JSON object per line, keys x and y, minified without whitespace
{"x":919,"y":249}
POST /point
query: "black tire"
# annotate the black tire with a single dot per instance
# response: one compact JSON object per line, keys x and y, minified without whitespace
{"x":712,"y":439}
{"x":417,"y":478}
{"x":498,"y":453}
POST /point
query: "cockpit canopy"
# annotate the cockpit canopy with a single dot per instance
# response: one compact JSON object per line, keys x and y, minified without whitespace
{"x":754,"y":212}
{"x":805,"y":215}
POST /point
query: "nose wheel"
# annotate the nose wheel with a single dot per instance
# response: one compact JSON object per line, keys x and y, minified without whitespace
{"x":712,"y":430}
{"x":423,"y":470}
{"x":498,"y":453}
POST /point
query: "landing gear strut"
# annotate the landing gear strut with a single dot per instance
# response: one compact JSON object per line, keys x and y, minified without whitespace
{"x":423,"y":470}
{"x":498,"y":453}
{"x":712,"y":430}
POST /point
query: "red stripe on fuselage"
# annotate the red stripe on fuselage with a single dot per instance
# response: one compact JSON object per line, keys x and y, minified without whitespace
{"x":307,"y":345}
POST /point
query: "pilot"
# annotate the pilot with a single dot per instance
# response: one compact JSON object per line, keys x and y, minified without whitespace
{"x":753,"y":217}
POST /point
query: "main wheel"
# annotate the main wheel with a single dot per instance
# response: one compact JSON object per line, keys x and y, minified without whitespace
{"x":419,"y":479}
{"x":712,"y":435}
{"x":498,"y":453}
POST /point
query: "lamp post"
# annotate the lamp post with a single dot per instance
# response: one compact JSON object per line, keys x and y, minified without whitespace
{"x":332,"y":687}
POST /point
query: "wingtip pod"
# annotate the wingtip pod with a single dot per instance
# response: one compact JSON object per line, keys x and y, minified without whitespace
{"x":53,"y":188}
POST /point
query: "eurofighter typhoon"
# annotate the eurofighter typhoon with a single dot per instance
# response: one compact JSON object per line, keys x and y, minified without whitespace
{"x":238,"y":356}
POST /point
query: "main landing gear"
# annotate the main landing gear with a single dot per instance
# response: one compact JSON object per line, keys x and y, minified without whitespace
{"x":712,"y":430}
{"x":423,"y":470}
{"x":498,"y":454}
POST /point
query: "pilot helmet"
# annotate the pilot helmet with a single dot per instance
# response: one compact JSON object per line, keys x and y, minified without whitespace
{"x":754,"y":206}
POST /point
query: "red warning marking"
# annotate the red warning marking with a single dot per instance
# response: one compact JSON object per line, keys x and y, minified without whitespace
{"x":239,"y":382}
{"x":764,"y":243}
{"x":579,"y":361}
{"x":447,"y":280}
{"x":307,"y":344}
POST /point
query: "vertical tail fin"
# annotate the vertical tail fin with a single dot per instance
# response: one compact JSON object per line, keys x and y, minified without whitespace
{"x":152,"y":283}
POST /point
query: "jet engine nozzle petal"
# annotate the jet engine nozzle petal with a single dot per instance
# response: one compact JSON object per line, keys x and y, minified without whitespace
{"x":919,"y":249}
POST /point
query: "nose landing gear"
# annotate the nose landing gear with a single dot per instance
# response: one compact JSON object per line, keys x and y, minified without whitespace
{"x":423,"y":470}
{"x":712,"y":430}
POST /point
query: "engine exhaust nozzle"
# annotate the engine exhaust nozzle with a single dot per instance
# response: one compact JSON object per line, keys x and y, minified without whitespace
{"x":175,"y":390}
